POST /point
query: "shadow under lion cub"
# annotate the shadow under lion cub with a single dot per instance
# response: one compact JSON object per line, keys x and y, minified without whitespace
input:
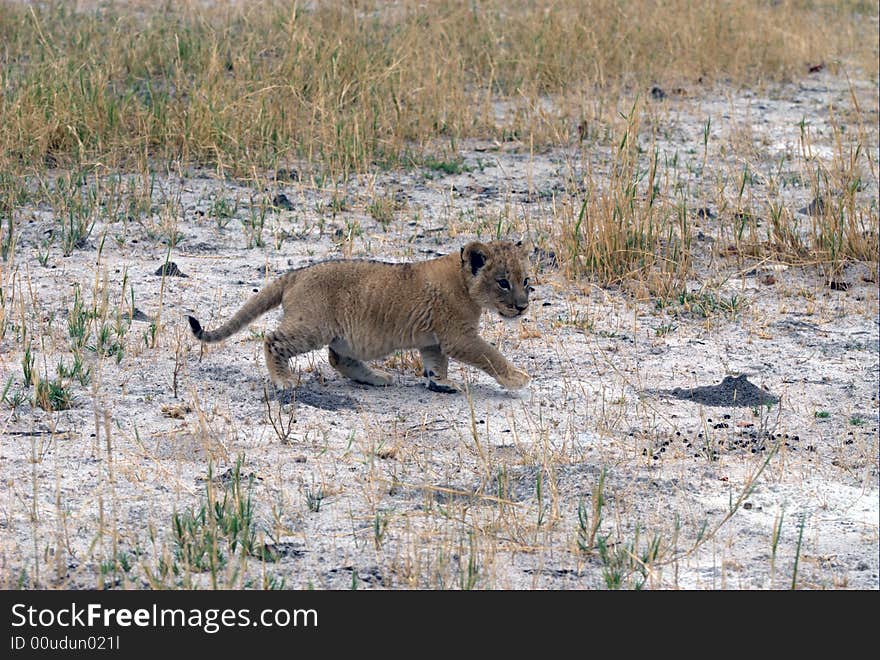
{"x":364,"y":310}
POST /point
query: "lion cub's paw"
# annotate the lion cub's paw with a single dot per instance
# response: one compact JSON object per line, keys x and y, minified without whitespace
{"x":443,"y":386}
{"x":282,"y":382}
{"x":374,"y":378}
{"x":515,"y":380}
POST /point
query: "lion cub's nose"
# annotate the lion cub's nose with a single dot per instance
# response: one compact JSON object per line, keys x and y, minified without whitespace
{"x":522,"y":308}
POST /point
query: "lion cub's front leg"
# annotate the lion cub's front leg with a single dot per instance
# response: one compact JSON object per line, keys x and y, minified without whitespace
{"x":475,"y":351}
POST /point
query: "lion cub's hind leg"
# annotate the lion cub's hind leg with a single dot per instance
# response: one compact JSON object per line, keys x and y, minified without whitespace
{"x":436,"y":365}
{"x":281,"y":345}
{"x":355,"y":369}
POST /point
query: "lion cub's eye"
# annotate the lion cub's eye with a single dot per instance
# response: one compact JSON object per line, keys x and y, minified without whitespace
{"x":526,"y":282}
{"x":504,"y":284}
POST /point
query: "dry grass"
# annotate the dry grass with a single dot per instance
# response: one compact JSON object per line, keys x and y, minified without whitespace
{"x":245,"y":85}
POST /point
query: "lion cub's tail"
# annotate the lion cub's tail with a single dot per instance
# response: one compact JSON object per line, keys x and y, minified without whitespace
{"x":257,"y":305}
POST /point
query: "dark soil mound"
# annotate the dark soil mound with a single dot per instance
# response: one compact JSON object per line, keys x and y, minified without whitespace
{"x":730,"y":392}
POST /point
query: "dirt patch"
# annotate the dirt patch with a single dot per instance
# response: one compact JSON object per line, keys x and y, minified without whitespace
{"x":732,"y":391}
{"x":317,"y":398}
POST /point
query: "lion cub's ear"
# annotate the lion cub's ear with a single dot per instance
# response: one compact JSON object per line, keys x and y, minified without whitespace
{"x":475,"y":256}
{"x":525,"y":248}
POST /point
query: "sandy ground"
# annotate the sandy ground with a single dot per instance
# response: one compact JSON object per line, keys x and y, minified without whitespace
{"x":417,"y":489}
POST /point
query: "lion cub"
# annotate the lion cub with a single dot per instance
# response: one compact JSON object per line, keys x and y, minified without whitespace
{"x":364,"y":310}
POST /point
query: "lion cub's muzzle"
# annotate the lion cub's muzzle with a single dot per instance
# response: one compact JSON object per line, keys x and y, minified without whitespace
{"x":515,"y":310}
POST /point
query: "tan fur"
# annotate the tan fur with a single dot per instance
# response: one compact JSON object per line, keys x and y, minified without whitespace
{"x":364,"y":310}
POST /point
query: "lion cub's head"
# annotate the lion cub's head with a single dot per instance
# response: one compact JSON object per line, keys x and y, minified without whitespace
{"x":497,"y":275}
